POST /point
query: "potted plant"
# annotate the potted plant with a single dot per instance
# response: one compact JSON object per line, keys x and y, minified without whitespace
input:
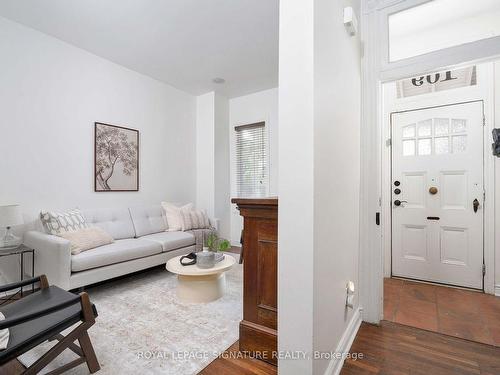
{"x":211,"y":247}
{"x":214,"y":243}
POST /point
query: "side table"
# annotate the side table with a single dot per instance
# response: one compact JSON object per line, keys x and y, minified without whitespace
{"x":20,"y":251}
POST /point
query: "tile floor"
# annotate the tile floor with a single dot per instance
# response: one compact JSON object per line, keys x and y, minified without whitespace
{"x":451,"y":311}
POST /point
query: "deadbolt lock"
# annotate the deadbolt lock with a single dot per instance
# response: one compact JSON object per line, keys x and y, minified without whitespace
{"x":433,"y":190}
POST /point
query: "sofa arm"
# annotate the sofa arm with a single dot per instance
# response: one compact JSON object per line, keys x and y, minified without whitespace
{"x":52,"y":257}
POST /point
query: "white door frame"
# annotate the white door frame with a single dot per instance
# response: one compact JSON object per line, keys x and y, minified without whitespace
{"x":375,"y":71}
{"x":387,"y":187}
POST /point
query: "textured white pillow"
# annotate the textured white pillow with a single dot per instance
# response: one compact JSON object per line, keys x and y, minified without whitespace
{"x":199,"y":219}
{"x":174,"y":216}
{"x":86,"y":239}
{"x":59,"y":222}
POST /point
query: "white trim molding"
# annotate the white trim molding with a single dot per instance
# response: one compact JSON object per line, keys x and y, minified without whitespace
{"x":497,"y":290}
{"x":345,"y":343}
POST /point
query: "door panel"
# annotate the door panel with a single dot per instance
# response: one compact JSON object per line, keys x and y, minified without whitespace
{"x":437,"y":155}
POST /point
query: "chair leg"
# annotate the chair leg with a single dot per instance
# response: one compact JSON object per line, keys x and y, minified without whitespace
{"x":48,"y":357}
{"x":88,"y":352}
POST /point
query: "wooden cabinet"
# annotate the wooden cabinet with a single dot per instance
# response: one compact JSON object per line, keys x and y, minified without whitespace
{"x":258,"y":329}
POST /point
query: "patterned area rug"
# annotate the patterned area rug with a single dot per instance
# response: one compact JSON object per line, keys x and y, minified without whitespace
{"x":142,"y":328}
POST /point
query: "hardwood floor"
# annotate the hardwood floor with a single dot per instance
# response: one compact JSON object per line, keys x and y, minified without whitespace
{"x":461,"y":313}
{"x":231,"y":364}
{"x":391,"y":349}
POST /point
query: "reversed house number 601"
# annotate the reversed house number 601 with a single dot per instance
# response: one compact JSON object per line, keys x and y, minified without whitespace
{"x":432,"y":79}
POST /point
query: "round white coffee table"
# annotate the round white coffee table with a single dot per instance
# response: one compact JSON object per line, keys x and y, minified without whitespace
{"x":199,"y":284}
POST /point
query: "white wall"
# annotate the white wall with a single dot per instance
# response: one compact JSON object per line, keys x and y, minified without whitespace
{"x":51,"y":93}
{"x":222,"y":169}
{"x":248,"y":109}
{"x":296,"y":189}
{"x":205,"y":156}
{"x":319,"y":117}
{"x":212,"y":155}
{"x":337,"y":114}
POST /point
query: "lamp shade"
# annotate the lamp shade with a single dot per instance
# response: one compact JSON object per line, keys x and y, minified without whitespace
{"x":10,"y":215}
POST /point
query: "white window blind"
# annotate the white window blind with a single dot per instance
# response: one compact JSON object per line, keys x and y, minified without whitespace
{"x":251,"y":160}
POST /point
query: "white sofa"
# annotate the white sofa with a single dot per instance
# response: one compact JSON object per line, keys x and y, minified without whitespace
{"x":140,"y":242}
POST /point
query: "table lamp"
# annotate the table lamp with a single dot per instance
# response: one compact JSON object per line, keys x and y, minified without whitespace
{"x":10,"y":216}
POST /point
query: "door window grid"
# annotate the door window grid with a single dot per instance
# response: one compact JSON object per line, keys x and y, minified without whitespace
{"x":436,"y":136}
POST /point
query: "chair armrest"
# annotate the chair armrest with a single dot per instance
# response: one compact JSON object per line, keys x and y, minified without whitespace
{"x":13,"y":321}
{"x":52,"y":257}
{"x":19,"y":284}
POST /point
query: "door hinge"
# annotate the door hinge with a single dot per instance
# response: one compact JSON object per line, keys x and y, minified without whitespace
{"x":484,"y":120}
{"x":484,"y":195}
{"x":484,"y":269}
{"x":388,"y":142}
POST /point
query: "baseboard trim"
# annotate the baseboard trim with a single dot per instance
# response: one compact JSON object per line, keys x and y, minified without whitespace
{"x":335,"y":365}
{"x":497,"y":290}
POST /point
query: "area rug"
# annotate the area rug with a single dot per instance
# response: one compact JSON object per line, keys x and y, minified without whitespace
{"x":142,"y":327}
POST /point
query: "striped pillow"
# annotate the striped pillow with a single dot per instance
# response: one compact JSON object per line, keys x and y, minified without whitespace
{"x":199,"y":219}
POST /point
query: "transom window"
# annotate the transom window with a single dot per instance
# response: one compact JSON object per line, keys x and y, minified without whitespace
{"x":441,"y":24}
{"x":435,"y":136}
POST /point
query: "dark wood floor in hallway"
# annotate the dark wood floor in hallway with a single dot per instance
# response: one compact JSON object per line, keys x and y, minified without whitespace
{"x":395,"y":349}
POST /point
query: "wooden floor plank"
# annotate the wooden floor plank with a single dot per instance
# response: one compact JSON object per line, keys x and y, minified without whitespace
{"x":393,"y":348}
{"x":231,"y":363}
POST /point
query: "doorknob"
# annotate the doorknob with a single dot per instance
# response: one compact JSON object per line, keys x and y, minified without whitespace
{"x":475,"y":204}
{"x":397,"y":202}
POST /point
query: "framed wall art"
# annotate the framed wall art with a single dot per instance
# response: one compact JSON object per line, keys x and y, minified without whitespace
{"x":116,"y":158}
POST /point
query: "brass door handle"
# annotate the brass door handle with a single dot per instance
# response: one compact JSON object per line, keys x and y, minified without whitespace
{"x":475,"y":204}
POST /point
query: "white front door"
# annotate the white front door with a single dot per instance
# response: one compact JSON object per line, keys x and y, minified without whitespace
{"x":437,"y":194}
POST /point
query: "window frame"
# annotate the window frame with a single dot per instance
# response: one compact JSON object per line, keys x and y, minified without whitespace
{"x":234,"y":137}
{"x":391,"y":70}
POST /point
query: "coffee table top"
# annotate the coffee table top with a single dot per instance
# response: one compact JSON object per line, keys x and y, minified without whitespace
{"x":174,"y":266}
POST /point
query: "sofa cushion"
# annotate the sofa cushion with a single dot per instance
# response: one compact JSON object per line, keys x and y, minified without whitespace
{"x":148,"y":219}
{"x":171,"y":240}
{"x":116,"y":221}
{"x":118,"y":251}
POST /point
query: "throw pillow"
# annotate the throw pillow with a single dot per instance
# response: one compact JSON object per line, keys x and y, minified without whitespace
{"x":86,"y":239}
{"x":60,"y":222}
{"x":199,"y":219}
{"x":174,"y":215}
{"x":187,"y":223}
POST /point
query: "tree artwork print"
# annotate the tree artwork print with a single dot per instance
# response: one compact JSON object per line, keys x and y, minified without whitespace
{"x":116,"y":158}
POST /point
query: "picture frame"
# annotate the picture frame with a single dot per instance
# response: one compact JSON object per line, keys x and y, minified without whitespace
{"x":116,"y":158}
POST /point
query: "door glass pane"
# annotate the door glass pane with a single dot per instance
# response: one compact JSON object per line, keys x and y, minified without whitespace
{"x":424,"y":146}
{"x":424,"y":128}
{"x":441,"y":24}
{"x":409,"y":147}
{"x":409,"y":131}
{"x":457,"y":126}
{"x":441,"y":126}
{"x":441,"y":145}
{"x":459,"y":143}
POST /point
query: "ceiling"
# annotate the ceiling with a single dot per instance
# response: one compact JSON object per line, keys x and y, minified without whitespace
{"x":184,"y":43}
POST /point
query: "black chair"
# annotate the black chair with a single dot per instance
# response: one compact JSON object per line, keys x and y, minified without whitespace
{"x":42,"y":316}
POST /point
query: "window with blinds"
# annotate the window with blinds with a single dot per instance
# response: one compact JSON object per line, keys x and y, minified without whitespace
{"x":251,"y":160}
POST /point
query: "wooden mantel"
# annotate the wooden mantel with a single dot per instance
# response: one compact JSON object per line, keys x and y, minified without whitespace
{"x":258,"y":329}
